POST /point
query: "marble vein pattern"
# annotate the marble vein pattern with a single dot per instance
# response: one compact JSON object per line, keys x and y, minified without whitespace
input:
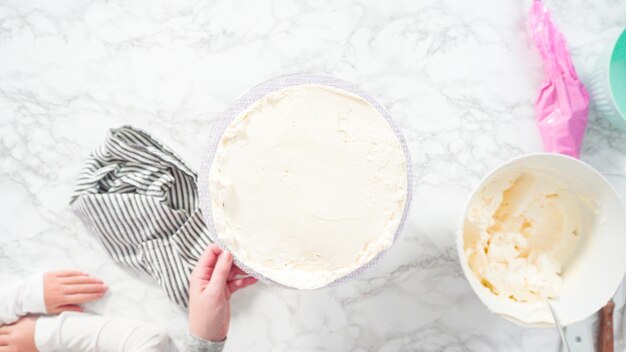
{"x":460,"y":78}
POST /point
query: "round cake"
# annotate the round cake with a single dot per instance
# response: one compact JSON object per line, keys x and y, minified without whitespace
{"x":308,"y":184}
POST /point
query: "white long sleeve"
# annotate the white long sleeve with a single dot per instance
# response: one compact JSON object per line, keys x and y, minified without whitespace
{"x":195,"y":344}
{"x":83,"y":332}
{"x":22,"y":298}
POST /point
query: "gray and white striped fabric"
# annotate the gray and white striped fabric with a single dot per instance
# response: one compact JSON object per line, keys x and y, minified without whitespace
{"x":141,"y":201}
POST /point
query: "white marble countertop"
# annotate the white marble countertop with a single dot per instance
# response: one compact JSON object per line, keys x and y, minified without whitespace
{"x":460,"y":77}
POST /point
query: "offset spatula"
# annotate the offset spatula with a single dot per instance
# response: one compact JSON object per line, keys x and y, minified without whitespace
{"x":564,"y":343}
{"x":580,"y":336}
{"x":605,"y":337}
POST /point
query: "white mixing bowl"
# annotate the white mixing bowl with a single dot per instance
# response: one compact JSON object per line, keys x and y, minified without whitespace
{"x":594,"y":275}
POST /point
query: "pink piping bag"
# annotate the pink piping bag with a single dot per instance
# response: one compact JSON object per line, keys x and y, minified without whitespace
{"x":563,"y":101}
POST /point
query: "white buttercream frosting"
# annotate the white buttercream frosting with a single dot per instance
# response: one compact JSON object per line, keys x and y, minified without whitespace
{"x":520,"y":232}
{"x":307,"y":185}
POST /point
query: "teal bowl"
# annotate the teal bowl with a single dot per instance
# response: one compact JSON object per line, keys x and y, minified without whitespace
{"x":608,"y":84}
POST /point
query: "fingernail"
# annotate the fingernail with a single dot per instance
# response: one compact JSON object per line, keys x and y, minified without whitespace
{"x":227,"y":254}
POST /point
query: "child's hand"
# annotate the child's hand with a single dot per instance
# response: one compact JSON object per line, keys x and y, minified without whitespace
{"x":64,"y":290}
{"x":212,"y":282}
{"x":19,"y":336}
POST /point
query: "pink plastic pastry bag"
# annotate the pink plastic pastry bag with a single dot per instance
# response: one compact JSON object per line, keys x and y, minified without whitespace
{"x":563,"y":101}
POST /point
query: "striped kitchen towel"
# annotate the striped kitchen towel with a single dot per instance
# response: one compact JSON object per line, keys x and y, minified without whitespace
{"x":141,"y":201}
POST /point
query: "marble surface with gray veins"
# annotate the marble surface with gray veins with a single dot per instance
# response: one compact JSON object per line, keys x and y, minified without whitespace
{"x":460,"y":78}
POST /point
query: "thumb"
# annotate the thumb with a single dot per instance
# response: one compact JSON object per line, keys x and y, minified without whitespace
{"x":221,"y":271}
{"x":206,"y":261}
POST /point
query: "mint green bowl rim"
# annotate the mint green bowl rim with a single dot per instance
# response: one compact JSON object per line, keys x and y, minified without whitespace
{"x":619,"y":46}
